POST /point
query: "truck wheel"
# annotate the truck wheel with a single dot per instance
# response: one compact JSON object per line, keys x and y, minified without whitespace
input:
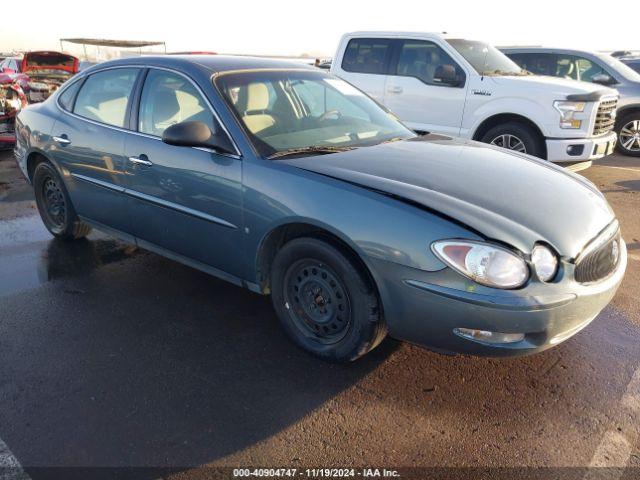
{"x":629,"y":134}
{"x":54,"y":205}
{"x":324,"y":302}
{"x":515,"y":136}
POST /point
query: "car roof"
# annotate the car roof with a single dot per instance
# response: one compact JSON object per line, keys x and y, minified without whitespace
{"x":211,"y":63}
{"x":396,"y":34}
{"x":568,"y":51}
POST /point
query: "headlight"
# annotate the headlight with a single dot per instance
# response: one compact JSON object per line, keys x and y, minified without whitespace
{"x":545,"y":262}
{"x":567,"y":112}
{"x":484,"y":263}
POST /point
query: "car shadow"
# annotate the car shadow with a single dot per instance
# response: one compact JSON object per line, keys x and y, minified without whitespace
{"x":120,"y":358}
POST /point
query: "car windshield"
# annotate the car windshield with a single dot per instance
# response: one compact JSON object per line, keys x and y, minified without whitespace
{"x":305,"y":112}
{"x":486,"y":59}
{"x":624,"y":70}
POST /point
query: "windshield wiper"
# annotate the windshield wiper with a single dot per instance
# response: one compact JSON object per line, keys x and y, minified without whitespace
{"x":317,"y":149}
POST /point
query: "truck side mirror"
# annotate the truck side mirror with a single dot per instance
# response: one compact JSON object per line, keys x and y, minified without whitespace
{"x":446,"y":74}
{"x":603,"y":79}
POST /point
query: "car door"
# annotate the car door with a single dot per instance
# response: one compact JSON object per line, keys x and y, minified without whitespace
{"x":365,"y":63}
{"x":416,"y":92}
{"x":185,"y":201}
{"x":89,"y":144}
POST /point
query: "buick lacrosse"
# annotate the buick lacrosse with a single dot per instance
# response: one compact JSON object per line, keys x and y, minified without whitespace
{"x":290,"y":182}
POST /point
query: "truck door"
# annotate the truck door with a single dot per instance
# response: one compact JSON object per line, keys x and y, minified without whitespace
{"x":426,"y":87}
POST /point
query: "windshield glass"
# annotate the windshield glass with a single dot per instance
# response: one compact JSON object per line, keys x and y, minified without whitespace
{"x":485,"y":59}
{"x":288,"y":109}
{"x":624,"y":70}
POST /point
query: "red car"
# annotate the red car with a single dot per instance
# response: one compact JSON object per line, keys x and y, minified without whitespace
{"x":47,"y":71}
{"x":31,"y":79}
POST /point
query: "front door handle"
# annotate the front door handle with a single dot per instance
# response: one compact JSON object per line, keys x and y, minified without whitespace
{"x":63,"y":140}
{"x":141,"y":160}
{"x":395,"y":89}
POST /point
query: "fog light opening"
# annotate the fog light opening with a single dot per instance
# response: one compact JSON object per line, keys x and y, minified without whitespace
{"x":575,"y":150}
{"x":486,"y":336}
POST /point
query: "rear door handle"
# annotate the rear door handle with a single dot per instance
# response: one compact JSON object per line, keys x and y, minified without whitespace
{"x":395,"y":89}
{"x":141,"y":160}
{"x":63,"y":140}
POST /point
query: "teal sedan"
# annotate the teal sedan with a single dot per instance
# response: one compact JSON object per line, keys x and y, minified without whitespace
{"x":290,"y":182}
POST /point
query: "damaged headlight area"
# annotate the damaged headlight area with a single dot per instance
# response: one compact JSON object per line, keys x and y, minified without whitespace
{"x":484,"y":263}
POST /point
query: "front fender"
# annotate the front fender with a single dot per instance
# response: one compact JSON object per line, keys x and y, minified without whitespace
{"x":522,"y":107}
{"x":375,"y":226}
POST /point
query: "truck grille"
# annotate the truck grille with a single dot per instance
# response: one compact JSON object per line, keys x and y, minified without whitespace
{"x":606,"y":117}
{"x":601,"y":256}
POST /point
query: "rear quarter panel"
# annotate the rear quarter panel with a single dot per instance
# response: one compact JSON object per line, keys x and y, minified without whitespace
{"x":33,"y":132}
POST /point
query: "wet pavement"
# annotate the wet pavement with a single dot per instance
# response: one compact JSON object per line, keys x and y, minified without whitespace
{"x":112,"y":356}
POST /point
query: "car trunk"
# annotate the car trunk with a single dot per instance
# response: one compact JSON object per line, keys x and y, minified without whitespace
{"x":47,"y":71}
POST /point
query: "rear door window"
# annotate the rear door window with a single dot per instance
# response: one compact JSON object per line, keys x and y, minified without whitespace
{"x":367,"y":55}
{"x":104,"y":96}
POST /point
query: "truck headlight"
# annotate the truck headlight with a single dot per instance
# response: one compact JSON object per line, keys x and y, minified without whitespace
{"x":484,"y":263}
{"x":568,"y":112}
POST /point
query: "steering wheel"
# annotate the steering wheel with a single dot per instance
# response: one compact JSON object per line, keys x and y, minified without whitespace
{"x":326,"y":115}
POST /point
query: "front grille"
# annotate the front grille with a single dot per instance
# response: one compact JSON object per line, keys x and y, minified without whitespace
{"x":599,"y":262}
{"x":606,"y":117}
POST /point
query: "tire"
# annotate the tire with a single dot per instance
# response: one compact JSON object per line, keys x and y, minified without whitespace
{"x":518,"y":136}
{"x":628,"y":130}
{"x":325,"y":303}
{"x":54,"y":204}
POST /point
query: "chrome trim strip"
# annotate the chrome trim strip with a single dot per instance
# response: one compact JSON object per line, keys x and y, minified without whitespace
{"x":237,"y":155}
{"x":603,"y":237}
{"x":156,"y":200}
{"x":101,"y":183}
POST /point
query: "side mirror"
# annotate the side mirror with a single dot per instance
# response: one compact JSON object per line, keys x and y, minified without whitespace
{"x":603,"y":79}
{"x":446,"y":74}
{"x":196,"y":134}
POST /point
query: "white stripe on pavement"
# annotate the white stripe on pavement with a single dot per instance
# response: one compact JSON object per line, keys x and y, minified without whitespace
{"x":10,"y":468}
{"x":616,"y":447}
{"x":637,"y":170}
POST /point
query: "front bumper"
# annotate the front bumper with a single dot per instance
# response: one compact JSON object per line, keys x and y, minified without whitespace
{"x":424,"y":308}
{"x":580,"y":149}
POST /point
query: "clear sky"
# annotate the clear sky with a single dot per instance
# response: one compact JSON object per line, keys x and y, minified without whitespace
{"x":287,"y":27}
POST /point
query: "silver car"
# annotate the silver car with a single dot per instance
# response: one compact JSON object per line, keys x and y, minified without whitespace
{"x":596,"y":68}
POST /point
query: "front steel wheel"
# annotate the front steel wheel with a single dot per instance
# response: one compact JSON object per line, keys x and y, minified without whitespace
{"x":318,"y":299}
{"x":325,"y":299}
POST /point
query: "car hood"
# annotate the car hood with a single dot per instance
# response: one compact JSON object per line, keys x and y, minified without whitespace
{"x":559,"y":87}
{"x":49,"y":61}
{"x":510,"y":198}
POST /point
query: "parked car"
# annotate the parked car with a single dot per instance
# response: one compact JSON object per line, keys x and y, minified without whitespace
{"x":632,"y":62}
{"x":12,"y":100}
{"x":47,"y":71}
{"x":10,"y":65}
{"x":598,"y":68}
{"x":289,"y":181}
{"x":443,"y":84}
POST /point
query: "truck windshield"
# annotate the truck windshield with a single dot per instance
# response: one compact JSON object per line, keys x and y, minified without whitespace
{"x":485,"y":59}
{"x":305,"y":112}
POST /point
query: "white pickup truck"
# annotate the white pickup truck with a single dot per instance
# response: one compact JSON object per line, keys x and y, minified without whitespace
{"x":443,"y":84}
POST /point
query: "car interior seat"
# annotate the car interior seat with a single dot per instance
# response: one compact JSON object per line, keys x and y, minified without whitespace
{"x":255,"y":116}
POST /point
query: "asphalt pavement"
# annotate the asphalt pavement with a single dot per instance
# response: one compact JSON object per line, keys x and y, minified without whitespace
{"x":111,"y":356}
